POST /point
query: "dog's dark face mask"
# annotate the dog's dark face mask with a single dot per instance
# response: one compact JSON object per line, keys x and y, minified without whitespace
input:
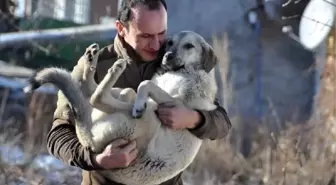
{"x":187,"y":49}
{"x":171,"y":63}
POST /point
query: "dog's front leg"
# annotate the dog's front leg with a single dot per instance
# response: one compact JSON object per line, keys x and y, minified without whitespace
{"x":149,"y":89}
{"x":103,"y":98}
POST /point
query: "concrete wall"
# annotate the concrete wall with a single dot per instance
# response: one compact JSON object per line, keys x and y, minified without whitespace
{"x":287,"y":80}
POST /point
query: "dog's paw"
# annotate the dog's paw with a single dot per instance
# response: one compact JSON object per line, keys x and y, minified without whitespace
{"x":138,"y":110}
{"x":91,"y":56}
{"x":118,"y":66}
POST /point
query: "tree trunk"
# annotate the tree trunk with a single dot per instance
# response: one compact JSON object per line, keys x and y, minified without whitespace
{"x":326,"y":100}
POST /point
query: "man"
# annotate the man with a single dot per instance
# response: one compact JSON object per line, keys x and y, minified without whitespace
{"x":141,"y":26}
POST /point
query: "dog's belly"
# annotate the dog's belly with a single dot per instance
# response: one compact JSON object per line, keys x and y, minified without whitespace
{"x":164,"y":158}
{"x":110,"y":127}
{"x":163,"y":153}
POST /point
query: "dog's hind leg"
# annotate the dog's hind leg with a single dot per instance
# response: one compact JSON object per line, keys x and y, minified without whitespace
{"x":102,"y":97}
{"x":115,"y":92}
{"x":149,"y":89}
{"x":83,"y":72}
{"x":90,"y":64}
{"x":124,"y":94}
{"x":85,"y":68}
{"x":127,"y":95}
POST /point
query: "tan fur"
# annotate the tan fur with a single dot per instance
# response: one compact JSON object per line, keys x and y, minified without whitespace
{"x":121,"y":113}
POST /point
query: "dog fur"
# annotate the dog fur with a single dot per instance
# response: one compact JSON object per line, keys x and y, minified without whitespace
{"x":104,"y":113}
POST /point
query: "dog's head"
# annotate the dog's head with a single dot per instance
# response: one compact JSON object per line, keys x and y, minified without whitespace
{"x":188,"y":49}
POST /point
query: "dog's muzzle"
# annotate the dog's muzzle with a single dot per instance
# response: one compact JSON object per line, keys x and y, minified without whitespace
{"x":168,"y":58}
{"x":171,"y":63}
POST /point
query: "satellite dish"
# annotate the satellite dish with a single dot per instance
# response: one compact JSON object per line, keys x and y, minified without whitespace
{"x":316,"y":22}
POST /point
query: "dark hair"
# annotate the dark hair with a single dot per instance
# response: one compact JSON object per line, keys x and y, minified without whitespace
{"x":124,"y":10}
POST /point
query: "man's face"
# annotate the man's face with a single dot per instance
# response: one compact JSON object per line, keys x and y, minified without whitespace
{"x":146,"y":31}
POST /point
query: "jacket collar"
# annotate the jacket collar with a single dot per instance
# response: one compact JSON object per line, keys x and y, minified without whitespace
{"x":125,"y":51}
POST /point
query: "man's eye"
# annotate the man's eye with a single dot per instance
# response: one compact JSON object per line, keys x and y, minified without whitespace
{"x":145,"y":36}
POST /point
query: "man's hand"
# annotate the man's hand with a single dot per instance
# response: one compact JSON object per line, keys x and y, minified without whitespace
{"x":178,"y":116}
{"x":119,"y":154}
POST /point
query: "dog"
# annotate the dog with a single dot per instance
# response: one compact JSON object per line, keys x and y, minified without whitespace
{"x":105,"y":113}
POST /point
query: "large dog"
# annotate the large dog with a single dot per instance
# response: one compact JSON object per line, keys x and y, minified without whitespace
{"x":110,"y":113}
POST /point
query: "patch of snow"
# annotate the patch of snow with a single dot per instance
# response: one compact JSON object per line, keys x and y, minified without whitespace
{"x":52,"y":169}
{"x":48,"y":163}
{"x":12,"y":154}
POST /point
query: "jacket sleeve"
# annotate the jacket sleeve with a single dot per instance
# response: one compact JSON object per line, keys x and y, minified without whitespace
{"x":62,"y":141}
{"x":214,"y":124}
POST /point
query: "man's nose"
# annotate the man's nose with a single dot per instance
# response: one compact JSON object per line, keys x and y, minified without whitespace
{"x":155,"y":43}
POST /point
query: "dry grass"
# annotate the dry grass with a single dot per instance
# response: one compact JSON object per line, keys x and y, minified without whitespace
{"x":297,"y":155}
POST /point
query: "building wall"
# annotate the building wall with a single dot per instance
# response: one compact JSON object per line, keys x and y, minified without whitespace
{"x":40,"y":8}
{"x":99,"y":9}
{"x":80,"y":11}
{"x":73,"y":10}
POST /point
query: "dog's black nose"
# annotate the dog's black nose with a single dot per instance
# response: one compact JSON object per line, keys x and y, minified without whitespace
{"x":169,"y":55}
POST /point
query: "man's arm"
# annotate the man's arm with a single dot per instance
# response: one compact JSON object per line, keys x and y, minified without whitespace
{"x":213,"y":124}
{"x":62,"y":141}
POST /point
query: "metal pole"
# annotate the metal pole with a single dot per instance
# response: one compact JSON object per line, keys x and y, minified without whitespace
{"x":82,"y":33}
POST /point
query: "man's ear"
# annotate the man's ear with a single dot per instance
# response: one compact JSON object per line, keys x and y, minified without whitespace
{"x":209,"y":58}
{"x":120,"y":28}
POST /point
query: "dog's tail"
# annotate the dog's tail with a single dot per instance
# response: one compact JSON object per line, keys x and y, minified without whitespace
{"x":63,"y":80}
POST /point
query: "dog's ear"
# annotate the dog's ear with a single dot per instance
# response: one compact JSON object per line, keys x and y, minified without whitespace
{"x":209,"y":58}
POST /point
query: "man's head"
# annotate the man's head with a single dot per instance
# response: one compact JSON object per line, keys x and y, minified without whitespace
{"x":143,"y":24}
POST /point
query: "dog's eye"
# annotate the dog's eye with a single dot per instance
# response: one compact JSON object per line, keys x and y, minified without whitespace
{"x":188,"y":46}
{"x":169,"y":43}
